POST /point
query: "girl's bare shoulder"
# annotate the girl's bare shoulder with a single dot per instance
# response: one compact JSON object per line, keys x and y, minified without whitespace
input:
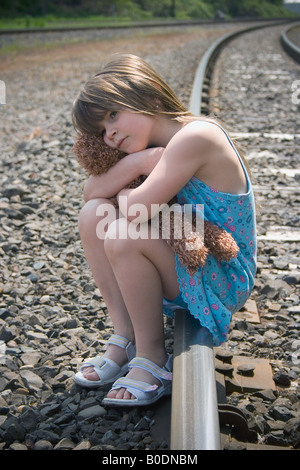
{"x":198,"y":133}
{"x":197,"y":139}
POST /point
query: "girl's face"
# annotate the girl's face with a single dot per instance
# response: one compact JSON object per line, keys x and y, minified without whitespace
{"x":127,"y":130}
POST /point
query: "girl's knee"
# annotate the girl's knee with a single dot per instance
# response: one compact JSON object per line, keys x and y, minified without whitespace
{"x":87,"y":215}
{"x":96,"y":215}
{"x":124,"y":237}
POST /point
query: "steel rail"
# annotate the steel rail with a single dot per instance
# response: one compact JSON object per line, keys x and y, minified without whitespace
{"x":289,"y":47}
{"x":194,"y":408}
{"x":205,"y":68}
{"x":194,"y":416}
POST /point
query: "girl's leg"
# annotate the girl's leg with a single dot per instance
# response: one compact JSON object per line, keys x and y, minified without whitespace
{"x":105,"y":280}
{"x":145,"y":272}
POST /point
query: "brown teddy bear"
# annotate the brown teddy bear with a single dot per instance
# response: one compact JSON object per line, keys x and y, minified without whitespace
{"x":97,"y":158}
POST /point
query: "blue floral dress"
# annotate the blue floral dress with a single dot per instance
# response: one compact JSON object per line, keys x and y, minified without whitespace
{"x":219,"y":289}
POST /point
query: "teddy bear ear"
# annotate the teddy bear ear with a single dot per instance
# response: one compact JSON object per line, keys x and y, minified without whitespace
{"x":106,"y":149}
{"x":94,"y":155}
{"x":89,"y":142}
{"x":93,"y":144}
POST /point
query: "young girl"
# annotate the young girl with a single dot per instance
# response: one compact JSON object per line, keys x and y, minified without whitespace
{"x":181,"y":154}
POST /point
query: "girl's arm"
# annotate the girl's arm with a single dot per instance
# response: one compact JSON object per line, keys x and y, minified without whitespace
{"x":120,"y":175}
{"x":186,"y":153}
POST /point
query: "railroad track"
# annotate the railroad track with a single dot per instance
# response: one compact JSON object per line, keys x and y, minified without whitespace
{"x":59,"y":418}
{"x":289,"y":46}
{"x":196,"y":414}
{"x":31,"y":37}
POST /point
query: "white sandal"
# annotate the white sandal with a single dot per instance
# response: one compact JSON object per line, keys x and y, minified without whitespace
{"x":145,"y":394}
{"x":107,"y":370}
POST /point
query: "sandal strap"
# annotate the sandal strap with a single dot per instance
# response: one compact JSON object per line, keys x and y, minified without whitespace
{"x":100,"y":361}
{"x":142,"y":391}
{"x":161,"y":373}
{"x":118,"y":341}
{"x":123,"y":343}
{"x":131,"y":385}
{"x":96,"y":361}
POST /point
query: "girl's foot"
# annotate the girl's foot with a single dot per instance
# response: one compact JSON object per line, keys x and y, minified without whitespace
{"x":105,"y":369}
{"x":115,"y":353}
{"x":140,"y":375}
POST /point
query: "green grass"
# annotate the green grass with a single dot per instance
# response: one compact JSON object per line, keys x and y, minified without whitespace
{"x":52,"y":22}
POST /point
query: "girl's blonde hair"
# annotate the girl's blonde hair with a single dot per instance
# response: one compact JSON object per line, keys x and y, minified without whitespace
{"x":127,"y":81}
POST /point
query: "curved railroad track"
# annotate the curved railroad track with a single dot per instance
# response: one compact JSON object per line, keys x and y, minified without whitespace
{"x":197,"y":427}
{"x":50,"y":311}
{"x":290,"y":41}
{"x":253,"y":92}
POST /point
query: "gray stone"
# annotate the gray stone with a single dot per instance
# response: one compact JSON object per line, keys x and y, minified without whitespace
{"x":50,"y":410}
{"x":31,"y":380}
{"x":17,"y":446}
{"x":65,"y":444}
{"x":281,"y":413}
{"x":83,"y":445}
{"x":5,"y":334}
{"x":92,"y":412}
{"x":37,"y":336}
{"x":281,"y":377}
{"x":29,"y":419}
{"x":42,"y":444}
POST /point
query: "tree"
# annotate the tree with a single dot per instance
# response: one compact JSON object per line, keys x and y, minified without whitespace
{"x":173,"y":8}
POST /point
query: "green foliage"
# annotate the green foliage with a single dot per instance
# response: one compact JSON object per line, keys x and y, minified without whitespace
{"x":254,"y":8}
{"x":195,"y":9}
{"x":30,"y":10}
